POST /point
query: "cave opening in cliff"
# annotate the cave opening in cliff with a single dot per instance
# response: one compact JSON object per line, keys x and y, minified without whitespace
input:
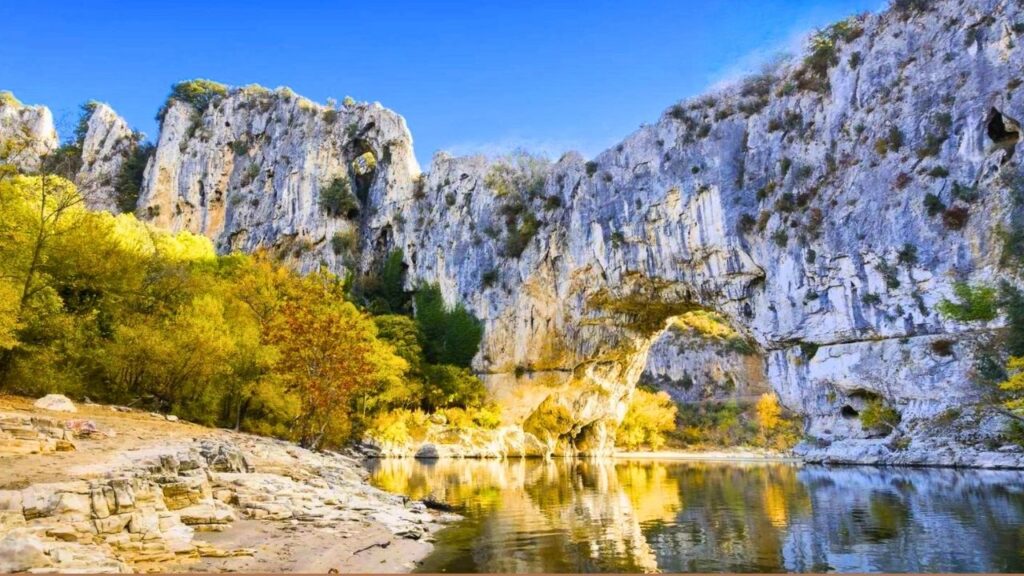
{"x":849,"y":412}
{"x":1004,"y":132}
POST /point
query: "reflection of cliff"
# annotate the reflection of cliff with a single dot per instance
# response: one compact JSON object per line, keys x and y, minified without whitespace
{"x":535,"y":515}
{"x":891,"y":520}
{"x":599,"y":516}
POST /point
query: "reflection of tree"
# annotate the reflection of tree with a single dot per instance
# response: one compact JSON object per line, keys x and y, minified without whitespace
{"x":590,"y":516}
{"x":535,"y":515}
{"x":735,"y":518}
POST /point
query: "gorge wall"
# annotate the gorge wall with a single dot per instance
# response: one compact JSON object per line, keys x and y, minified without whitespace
{"x":823,"y":208}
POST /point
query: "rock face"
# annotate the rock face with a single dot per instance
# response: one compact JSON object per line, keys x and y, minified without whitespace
{"x":26,"y":133}
{"x":250,"y":172}
{"x":823,"y":208}
{"x":107,"y":145}
{"x":796,"y":210}
{"x":692,"y":367}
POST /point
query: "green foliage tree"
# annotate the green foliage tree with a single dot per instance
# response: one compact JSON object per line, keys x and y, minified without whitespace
{"x":450,"y":336}
{"x":129,"y":179}
{"x":337,"y":199}
{"x":450,"y":386}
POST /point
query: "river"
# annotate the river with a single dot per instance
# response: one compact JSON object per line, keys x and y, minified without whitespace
{"x":672,"y":516}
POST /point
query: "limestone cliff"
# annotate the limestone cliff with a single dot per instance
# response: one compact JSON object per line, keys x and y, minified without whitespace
{"x":250,"y":172}
{"x":108,"y":143}
{"x":823,"y":208}
{"x":26,"y":133}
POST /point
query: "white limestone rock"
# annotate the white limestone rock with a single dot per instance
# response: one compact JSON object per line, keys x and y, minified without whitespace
{"x":27,"y":133}
{"x":108,"y":143}
{"x":56,"y":403}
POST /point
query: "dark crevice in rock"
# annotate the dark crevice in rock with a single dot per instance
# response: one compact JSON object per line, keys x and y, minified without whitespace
{"x":1004,"y":132}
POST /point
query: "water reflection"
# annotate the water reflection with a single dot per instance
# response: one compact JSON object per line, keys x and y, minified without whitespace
{"x":646,"y":516}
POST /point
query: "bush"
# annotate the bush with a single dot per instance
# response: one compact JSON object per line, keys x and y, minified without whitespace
{"x":907,"y":254}
{"x":879,"y":416}
{"x":343,"y":243}
{"x":974,"y":304}
{"x":489,"y":278}
{"x":337,"y":199}
{"x":240,"y":147}
{"x":823,"y":53}
{"x":199,"y":93}
{"x":955,"y":218}
{"x":746,"y":224}
{"x":933,"y":204}
{"x":450,"y":386}
{"x":520,"y":233}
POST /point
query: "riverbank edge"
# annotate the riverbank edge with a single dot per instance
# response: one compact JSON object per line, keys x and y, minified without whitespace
{"x":102,"y":488}
{"x":711,"y":456}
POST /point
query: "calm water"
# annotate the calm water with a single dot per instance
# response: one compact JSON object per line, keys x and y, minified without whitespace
{"x":646,"y":516}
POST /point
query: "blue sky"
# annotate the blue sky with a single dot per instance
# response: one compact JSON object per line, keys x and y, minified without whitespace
{"x":469,"y":76}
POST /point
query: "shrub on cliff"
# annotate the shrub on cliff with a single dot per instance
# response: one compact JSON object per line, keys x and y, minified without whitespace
{"x":199,"y":93}
{"x":336,"y":199}
{"x":973,"y":304}
{"x":879,"y":416}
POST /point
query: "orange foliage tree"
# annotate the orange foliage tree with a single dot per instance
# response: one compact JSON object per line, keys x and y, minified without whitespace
{"x":329,"y":355}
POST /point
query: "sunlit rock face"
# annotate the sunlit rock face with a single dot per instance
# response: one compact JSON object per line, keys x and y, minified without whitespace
{"x":108,"y":143}
{"x":27,"y":133}
{"x":249,"y":172}
{"x":776,"y":206}
{"x":792,"y":204}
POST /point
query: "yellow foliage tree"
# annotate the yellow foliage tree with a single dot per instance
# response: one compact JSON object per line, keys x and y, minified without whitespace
{"x":774,"y":431}
{"x":1014,"y":385}
{"x":649,"y":416}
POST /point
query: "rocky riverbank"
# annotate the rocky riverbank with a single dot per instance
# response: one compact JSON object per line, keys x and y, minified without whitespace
{"x":110,"y":489}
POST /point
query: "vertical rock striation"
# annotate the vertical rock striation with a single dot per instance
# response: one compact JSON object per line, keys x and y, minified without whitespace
{"x":107,"y":145}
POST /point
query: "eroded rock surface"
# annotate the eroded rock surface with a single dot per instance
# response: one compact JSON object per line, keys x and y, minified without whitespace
{"x":141,"y":509}
{"x":27,"y":133}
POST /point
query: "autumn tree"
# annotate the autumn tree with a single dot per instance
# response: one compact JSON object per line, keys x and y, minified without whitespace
{"x":774,"y":429}
{"x":329,"y":355}
{"x":650,"y":415}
